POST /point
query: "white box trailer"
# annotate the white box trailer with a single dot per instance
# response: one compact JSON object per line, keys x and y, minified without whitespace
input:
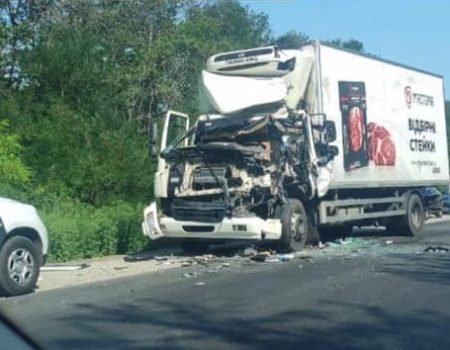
{"x":399,"y":135}
{"x":312,"y":140}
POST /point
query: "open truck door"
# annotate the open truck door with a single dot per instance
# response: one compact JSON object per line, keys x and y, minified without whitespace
{"x":176,"y":124}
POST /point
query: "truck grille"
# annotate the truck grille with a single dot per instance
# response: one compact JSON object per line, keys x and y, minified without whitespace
{"x":198,"y":211}
{"x":196,"y":228}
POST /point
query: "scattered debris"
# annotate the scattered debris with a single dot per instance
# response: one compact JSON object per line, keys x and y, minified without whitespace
{"x":280,"y":258}
{"x":272,"y":260}
{"x":270,"y":257}
{"x":204,"y":259}
{"x":338,"y":242}
{"x":153,"y":255}
{"x":285,"y":257}
{"x":261,"y":256}
{"x":160,"y":258}
{"x":189,"y":274}
{"x":303,"y":255}
{"x":389,"y":242}
{"x":344,"y":241}
{"x":436,"y":249}
{"x":61,"y":267}
{"x":120,"y":268}
{"x":249,"y":252}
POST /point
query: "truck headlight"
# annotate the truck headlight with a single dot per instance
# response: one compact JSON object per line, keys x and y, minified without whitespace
{"x":150,"y":221}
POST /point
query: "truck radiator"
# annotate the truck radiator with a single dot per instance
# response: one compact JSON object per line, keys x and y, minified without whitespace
{"x":204,"y":178}
{"x":209,"y":175}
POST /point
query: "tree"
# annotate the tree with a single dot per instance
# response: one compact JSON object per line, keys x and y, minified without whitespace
{"x":98,"y":72}
{"x":12,"y":168}
{"x":291,"y":40}
{"x":352,"y":44}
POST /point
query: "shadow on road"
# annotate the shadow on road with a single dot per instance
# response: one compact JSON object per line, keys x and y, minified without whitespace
{"x":430,"y":268}
{"x":262,"y":315}
{"x":170,"y":325}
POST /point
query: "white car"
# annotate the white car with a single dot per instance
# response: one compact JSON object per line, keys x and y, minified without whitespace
{"x":23,"y":247}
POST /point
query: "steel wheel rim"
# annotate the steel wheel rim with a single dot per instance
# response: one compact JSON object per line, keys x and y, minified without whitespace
{"x":21,"y":266}
{"x":415,"y":215}
{"x":297,"y":226}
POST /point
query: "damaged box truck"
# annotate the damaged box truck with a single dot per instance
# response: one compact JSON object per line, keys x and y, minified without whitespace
{"x":293,"y":144}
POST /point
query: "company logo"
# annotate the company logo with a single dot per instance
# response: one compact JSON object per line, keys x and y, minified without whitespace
{"x":415,"y":98}
{"x":408,"y":96}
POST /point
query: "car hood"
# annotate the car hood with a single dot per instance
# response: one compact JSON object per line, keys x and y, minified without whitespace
{"x":8,"y":203}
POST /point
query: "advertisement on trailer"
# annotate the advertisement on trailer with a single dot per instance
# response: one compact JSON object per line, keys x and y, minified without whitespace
{"x":391,"y":120}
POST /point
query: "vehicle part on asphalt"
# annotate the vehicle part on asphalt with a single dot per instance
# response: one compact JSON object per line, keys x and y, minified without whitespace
{"x":436,"y":249}
{"x":61,"y":267}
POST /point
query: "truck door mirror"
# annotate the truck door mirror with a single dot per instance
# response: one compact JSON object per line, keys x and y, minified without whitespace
{"x":175,"y":126}
{"x":329,"y":131}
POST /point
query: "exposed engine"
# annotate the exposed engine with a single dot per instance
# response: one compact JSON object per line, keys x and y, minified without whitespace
{"x":240,"y":167}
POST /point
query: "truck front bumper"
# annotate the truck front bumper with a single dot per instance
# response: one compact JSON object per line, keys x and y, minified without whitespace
{"x":156,"y":227}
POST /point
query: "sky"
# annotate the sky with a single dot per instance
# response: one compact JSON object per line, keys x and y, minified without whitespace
{"x":415,"y":32}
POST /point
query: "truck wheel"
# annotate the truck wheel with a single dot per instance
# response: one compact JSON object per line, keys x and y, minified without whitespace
{"x":19,"y":266}
{"x":393,"y":225}
{"x":294,"y":226}
{"x":414,"y":219}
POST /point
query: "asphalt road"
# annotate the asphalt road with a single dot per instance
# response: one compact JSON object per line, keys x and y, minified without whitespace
{"x":368,"y":294}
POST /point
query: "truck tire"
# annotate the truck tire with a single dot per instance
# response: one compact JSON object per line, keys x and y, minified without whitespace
{"x":393,"y":225}
{"x":414,"y":219}
{"x":295,"y":226}
{"x":19,"y":266}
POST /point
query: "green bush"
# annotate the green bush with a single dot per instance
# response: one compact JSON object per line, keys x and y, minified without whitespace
{"x":81,"y":231}
{"x":12,"y":168}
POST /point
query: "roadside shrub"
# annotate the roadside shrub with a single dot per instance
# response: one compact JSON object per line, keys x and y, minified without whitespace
{"x":79,"y":231}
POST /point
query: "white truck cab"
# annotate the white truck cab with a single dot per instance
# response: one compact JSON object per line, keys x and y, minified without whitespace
{"x":23,"y":247}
